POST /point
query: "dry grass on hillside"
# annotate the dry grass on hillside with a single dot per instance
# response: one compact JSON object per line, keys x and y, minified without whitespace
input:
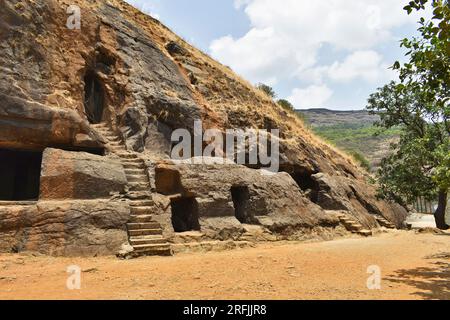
{"x":252,"y":102}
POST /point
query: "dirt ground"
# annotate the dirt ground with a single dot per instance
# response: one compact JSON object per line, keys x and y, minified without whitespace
{"x":413,"y":266}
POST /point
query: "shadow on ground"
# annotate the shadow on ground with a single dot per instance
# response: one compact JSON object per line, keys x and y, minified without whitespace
{"x":432,"y":282}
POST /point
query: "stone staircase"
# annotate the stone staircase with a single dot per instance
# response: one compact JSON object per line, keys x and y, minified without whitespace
{"x":353,"y":226}
{"x":144,"y":234}
{"x":384,"y":223}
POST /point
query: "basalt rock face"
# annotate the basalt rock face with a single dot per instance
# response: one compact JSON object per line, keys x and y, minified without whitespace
{"x":80,"y":175}
{"x":228,"y":196}
{"x":70,"y":228}
{"x":127,"y":70}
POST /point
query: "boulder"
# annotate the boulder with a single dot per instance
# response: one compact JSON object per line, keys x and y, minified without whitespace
{"x":28,"y":124}
{"x":67,"y":228}
{"x":80,"y":175}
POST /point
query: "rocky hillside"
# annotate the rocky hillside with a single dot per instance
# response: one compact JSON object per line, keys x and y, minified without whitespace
{"x":352,"y":131}
{"x":129,"y":73}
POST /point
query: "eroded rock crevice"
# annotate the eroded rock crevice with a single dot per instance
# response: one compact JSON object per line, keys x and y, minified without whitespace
{"x":94,"y":97}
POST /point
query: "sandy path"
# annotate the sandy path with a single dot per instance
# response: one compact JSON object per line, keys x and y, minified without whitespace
{"x":326,"y":270}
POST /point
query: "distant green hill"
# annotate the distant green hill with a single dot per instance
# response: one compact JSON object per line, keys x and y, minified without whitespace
{"x":353,"y":132}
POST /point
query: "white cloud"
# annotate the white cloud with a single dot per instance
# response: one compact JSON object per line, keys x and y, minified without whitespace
{"x":311,"y":97}
{"x":366,"y":65}
{"x":285,"y":37}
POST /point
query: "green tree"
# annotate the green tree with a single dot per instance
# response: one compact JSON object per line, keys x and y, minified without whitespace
{"x":420,"y":105}
{"x":267,"y":90}
{"x":286,"y":104}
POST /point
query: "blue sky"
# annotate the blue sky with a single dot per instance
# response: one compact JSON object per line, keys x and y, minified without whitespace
{"x":329,"y":53}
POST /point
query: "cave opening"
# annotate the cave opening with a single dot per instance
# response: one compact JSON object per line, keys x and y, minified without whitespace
{"x":241,"y":198}
{"x":94,"y":98}
{"x":20,"y":173}
{"x":185,"y":215}
{"x":305,"y":182}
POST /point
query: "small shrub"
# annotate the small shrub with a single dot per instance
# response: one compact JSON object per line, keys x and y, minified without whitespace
{"x":267,"y":90}
{"x":286,"y":105}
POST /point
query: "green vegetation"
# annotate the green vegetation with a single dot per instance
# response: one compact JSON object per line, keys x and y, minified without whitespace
{"x":420,"y":106}
{"x":286,"y":105}
{"x":337,"y":134}
{"x":361,"y":141}
{"x":363,"y":162}
{"x":267,"y":90}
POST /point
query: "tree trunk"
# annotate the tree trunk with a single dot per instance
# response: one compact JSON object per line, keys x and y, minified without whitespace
{"x":439,"y":215}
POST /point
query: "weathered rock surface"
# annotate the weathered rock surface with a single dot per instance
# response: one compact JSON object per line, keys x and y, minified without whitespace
{"x":80,"y":175}
{"x":28,"y":124}
{"x":342,"y":193}
{"x":127,"y":70}
{"x":229,"y":196}
{"x":70,"y":228}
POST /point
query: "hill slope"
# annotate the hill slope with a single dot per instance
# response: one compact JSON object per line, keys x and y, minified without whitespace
{"x":352,"y":131}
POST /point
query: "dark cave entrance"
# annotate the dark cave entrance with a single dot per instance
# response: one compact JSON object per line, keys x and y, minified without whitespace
{"x":305,"y":182}
{"x":241,"y":198}
{"x":185,"y":214}
{"x":94,"y":98}
{"x":20,"y":173}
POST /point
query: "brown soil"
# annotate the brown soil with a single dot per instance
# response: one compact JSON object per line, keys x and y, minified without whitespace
{"x":414,"y":266}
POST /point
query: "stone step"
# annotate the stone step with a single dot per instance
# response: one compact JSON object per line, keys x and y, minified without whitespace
{"x":136,"y":171}
{"x":137,"y":178}
{"x":141,"y":218}
{"x":364,"y":232}
{"x":142,"y":203}
{"x":145,"y":232}
{"x":136,"y":241}
{"x":348,"y":222}
{"x":138,"y":186}
{"x":127,"y":155}
{"x":18,"y":203}
{"x":154,"y":249}
{"x":117,"y":145}
{"x":132,"y":160}
{"x":352,"y":225}
{"x":113,"y":137}
{"x":133,"y":166}
{"x":143,"y":225}
{"x":141,"y":210}
{"x":385,"y":223}
{"x":103,"y":131}
{"x":117,"y":149}
{"x":356,"y":225}
{"x":107,"y":133}
{"x":139,"y":195}
{"x":100,"y":125}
